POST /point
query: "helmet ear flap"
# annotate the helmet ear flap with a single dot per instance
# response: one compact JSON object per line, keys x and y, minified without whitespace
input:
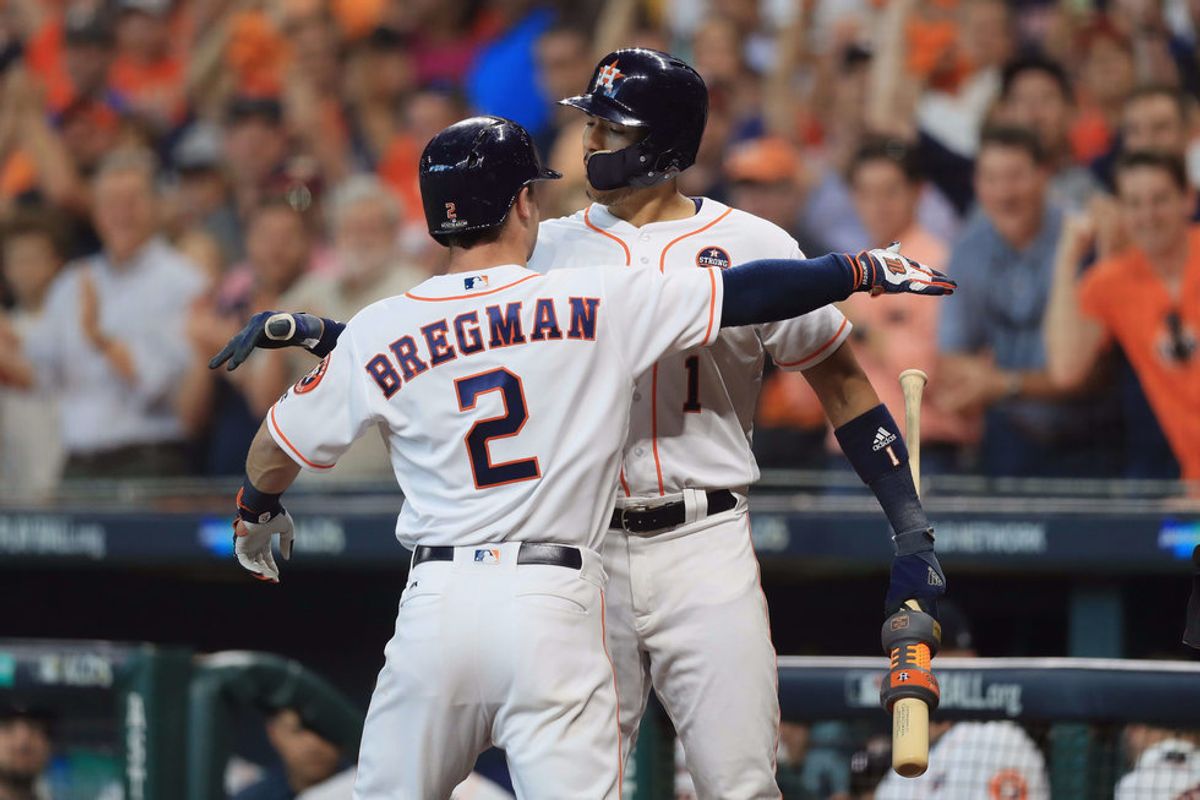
{"x":637,"y":165}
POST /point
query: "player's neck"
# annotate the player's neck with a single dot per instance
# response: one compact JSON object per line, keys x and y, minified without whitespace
{"x":486,"y":256}
{"x":662,"y":203}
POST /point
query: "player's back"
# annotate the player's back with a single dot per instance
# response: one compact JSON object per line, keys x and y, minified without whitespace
{"x":503,"y":394}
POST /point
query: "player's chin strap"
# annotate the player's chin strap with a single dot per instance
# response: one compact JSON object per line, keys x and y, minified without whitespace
{"x":630,"y":166}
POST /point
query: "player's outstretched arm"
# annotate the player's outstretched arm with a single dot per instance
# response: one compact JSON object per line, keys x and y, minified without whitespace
{"x":260,"y":514}
{"x":274,"y":329}
{"x":776,"y":289}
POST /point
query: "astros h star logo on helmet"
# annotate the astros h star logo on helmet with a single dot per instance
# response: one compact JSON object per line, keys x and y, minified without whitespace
{"x":607,"y":77}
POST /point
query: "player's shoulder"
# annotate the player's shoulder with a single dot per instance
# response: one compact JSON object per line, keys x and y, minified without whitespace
{"x":754,"y":236}
{"x":564,"y":226}
{"x":556,"y":238}
{"x":382,"y":314}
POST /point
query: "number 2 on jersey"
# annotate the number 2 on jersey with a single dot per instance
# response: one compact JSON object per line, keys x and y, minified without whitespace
{"x":692,"y":404}
{"x":510,"y":423}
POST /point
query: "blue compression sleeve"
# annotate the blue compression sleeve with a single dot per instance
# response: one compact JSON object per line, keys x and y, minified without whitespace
{"x":772,"y":289}
{"x":872,"y":443}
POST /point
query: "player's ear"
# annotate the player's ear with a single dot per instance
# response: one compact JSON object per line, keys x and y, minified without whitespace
{"x":526,"y":205}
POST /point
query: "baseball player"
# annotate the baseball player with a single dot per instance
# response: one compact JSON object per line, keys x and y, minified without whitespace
{"x":477,"y":379}
{"x":686,"y":612}
{"x":685,"y":608}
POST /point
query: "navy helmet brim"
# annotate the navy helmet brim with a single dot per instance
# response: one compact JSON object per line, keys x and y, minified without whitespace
{"x":604,"y":107}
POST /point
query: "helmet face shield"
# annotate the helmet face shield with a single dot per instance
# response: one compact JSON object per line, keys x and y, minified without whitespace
{"x":472,"y":172}
{"x":646,"y":89}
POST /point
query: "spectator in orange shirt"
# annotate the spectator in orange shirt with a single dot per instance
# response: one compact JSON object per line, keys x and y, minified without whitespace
{"x":1146,"y":299}
{"x":145,"y":70}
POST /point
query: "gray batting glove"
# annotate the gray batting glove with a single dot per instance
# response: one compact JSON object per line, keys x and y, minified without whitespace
{"x":252,"y":544}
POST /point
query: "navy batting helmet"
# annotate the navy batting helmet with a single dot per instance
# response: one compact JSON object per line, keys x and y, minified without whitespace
{"x":472,"y":172}
{"x":645,"y":89}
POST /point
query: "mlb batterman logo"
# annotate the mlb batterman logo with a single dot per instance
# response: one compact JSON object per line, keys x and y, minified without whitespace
{"x":487,"y":555}
{"x":475,"y":282}
{"x":607,"y":77}
{"x":713,"y":257}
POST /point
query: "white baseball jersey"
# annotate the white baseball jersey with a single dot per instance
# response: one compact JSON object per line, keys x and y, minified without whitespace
{"x":976,"y":761}
{"x":1168,"y":770}
{"x":503,"y":394}
{"x":692,"y":413}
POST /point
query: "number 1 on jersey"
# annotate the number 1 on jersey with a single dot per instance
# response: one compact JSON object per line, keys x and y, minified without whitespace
{"x":692,"y":404}
{"x":512,"y":392}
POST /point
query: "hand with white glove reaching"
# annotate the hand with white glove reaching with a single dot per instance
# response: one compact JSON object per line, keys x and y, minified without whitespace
{"x":253,"y":532}
{"x":887,"y":271}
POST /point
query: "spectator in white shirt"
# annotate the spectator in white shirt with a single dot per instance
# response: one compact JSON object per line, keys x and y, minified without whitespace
{"x":110,"y":344}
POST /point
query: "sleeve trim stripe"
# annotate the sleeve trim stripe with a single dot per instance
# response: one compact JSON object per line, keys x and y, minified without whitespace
{"x":288,"y":442}
{"x":588,"y":222}
{"x":829,"y":343}
{"x":712,"y":306}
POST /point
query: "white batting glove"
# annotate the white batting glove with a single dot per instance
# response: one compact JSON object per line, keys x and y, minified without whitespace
{"x":886,"y":271}
{"x":252,"y":544}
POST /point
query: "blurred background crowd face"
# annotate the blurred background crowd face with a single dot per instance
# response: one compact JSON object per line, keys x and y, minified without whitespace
{"x":273,"y":145}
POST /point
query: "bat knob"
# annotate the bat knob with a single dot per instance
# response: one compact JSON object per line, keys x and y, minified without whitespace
{"x":280,"y":327}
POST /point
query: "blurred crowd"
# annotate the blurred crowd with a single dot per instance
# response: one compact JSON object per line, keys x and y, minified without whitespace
{"x":170,"y":167}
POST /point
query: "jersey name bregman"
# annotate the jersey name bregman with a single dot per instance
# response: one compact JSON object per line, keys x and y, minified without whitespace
{"x":472,"y":332}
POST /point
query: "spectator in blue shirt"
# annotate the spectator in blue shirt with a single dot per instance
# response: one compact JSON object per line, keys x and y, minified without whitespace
{"x":989,"y":333}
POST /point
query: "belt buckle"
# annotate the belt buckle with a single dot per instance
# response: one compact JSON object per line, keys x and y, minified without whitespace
{"x":624,"y":511}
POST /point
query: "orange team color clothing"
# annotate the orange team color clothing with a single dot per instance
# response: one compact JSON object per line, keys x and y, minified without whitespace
{"x":1129,"y":299}
{"x":158,"y":85}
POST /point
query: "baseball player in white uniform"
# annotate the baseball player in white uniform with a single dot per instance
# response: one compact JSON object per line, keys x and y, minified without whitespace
{"x":685,"y":611}
{"x":685,"y":608}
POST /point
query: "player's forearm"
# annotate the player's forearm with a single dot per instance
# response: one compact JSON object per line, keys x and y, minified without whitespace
{"x":268,"y":469}
{"x":770,"y":290}
{"x":842,"y":387}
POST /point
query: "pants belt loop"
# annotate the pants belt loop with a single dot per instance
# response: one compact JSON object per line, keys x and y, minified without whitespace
{"x":695,"y":505}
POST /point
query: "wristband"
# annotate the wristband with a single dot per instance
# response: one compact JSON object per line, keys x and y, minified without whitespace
{"x":256,"y":506}
{"x":872,"y":443}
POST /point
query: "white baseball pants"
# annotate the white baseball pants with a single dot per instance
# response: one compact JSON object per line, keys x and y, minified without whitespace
{"x":495,"y":653}
{"x":686,"y":614}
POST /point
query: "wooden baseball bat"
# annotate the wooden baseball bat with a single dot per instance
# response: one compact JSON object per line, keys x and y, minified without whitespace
{"x":910,"y":717}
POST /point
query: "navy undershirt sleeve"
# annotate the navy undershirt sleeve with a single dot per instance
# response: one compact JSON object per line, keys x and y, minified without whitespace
{"x":773,"y":289}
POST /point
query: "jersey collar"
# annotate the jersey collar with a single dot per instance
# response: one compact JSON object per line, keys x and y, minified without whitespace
{"x":465,"y":285}
{"x":710,"y":209}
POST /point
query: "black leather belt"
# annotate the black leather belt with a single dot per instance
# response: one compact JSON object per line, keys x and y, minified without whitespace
{"x":552,"y":555}
{"x":669,"y":515}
